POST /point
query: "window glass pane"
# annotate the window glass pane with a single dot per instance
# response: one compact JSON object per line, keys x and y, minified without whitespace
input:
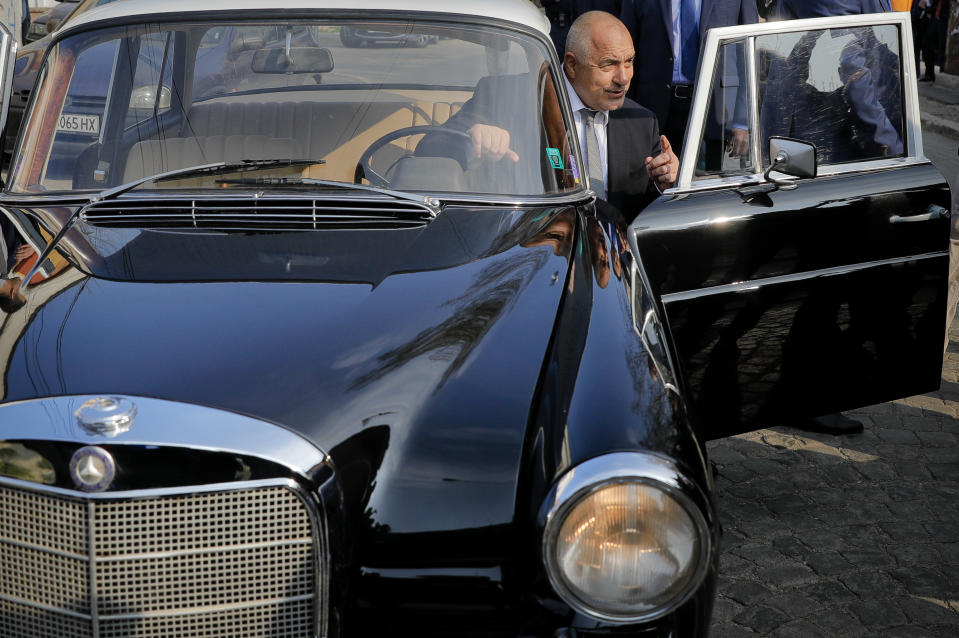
{"x":840,"y":89}
{"x":724,"y":148}
{"x":83,"y":111}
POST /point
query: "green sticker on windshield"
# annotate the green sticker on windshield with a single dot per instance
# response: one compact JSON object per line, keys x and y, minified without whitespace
{"x":555,"y":159}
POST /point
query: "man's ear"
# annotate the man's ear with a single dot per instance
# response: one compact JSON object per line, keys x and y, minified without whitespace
{"x":569,"y":64}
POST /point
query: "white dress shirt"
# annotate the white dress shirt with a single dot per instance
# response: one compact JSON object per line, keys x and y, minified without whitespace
{"x":601,"y":120}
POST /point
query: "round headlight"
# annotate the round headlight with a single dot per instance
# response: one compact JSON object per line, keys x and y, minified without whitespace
{"x":626,"y":549}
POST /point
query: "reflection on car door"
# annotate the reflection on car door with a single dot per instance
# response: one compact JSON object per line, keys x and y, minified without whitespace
{"x":828,"y":293}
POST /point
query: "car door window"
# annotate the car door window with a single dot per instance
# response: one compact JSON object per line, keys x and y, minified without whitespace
{"x":724,"y":144}
{"x":839,"y":89}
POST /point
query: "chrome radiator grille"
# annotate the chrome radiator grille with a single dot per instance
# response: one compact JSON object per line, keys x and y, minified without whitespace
{"x":241,"y":563}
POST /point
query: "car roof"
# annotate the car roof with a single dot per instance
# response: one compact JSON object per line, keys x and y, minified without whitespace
{"x":522,"y":12}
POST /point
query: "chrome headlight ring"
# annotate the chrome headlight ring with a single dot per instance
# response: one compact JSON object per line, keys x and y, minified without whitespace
{"x":625,"y":538}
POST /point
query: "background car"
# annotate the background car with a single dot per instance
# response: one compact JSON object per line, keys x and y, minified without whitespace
{"x":353,"y":37}
{"x":49,"y":21}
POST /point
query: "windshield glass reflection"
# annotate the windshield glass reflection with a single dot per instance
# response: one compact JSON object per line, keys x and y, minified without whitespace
{"x":398,"y":104}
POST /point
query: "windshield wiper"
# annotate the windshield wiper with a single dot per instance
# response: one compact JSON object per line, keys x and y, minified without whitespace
{"x":214,"y":168}
{"x":431,"y":203}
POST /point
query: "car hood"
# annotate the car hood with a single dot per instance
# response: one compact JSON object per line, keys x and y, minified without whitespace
{"x":432,"y":370}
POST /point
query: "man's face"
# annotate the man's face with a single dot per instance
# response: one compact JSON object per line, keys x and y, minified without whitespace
{"x":602,"y":79}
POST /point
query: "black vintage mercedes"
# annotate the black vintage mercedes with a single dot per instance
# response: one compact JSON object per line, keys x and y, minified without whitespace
{"x":269,"y":368}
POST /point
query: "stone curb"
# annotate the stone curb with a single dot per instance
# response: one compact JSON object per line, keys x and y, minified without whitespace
{"x":940,"y":125}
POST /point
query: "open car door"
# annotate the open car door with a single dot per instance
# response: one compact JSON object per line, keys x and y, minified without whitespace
{"x":794,"y":297}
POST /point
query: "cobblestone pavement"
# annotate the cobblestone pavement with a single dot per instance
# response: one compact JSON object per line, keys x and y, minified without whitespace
{"x":855,"y":535}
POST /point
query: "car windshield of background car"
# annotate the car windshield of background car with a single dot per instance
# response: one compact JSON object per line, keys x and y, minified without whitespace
{"x":387,"y":103}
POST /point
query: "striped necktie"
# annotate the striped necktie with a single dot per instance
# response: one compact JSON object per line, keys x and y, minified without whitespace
{"x":593,"y":162}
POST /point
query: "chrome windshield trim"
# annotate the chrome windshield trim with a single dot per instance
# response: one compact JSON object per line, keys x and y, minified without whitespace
{"x":164,"y":423}
{"x":517,"y":14}
{"x":718,"y":36}
{"x":757,"y":284}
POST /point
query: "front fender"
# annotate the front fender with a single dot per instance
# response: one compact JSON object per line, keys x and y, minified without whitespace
{"x":605,"y":388}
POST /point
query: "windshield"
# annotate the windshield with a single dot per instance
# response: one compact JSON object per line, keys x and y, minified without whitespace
{"x":411,"y":106}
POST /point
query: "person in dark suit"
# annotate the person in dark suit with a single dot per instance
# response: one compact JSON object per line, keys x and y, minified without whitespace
{"x":628,"y":162}
{"x":635,"y":161}
{"x":925,"y":15}
{"x":668,"y":35}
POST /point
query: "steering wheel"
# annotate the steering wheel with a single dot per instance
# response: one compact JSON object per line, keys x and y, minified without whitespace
{"x":364,"y":167}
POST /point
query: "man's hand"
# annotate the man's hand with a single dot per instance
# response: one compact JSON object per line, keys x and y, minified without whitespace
{"x":22,"y":252}
{"x":664,"y":168}
{"x":738,"y":144}
{"x":491,"y":142}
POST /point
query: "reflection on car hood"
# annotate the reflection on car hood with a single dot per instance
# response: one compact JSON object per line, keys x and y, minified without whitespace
{"x":342,"y":250}
{"x":408,"y":356}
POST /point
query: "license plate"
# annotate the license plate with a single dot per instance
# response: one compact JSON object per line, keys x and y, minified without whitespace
{"x":88,"y":124}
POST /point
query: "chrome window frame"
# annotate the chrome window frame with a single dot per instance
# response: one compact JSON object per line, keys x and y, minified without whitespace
{"x":912,"y":136}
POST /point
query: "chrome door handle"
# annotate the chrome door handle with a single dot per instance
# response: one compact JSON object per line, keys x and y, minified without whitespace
{"x":934,"y":212}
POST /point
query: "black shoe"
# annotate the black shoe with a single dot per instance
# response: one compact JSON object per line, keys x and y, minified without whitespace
{"x":927,"y":79}
{"x":837,"y":424}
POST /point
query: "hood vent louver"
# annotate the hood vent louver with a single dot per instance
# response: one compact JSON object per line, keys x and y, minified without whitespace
{"x":258,"y":213}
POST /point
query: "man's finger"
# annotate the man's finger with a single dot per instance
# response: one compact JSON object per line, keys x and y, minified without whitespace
{"x":660,"y":160}
{"x":664,"y":143}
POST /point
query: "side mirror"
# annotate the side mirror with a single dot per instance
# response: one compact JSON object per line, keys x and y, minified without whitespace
{"x":296,"y":60}
{"x":790,"y":157}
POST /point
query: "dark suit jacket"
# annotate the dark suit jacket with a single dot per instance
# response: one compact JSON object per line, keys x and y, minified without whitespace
{"x":631,"y":135}
{"x":650,"y":24}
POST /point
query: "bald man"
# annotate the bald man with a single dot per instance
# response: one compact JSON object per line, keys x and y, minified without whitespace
{"x":628,"y":161}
